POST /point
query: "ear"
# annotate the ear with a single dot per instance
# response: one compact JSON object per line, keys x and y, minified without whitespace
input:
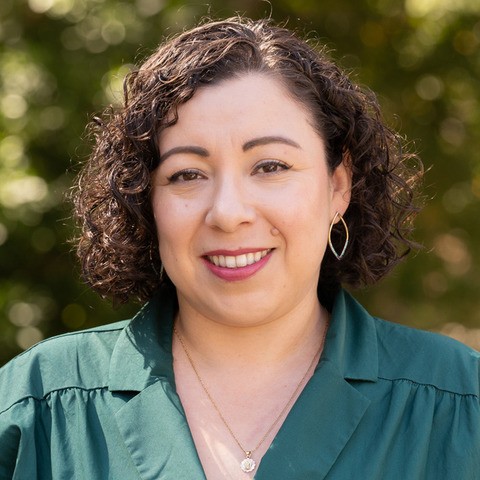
{"x":341,"y":184}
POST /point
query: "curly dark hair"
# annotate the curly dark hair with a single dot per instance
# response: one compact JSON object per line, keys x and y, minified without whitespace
{"x":118,"y":246}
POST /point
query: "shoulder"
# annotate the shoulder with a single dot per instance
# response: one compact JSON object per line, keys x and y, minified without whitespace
{"x":426,"y":358}
{"x":78,"y":359}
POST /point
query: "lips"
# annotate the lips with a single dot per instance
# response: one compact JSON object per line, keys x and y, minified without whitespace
{"x":237,"y":261}
{"x":238,"y":265}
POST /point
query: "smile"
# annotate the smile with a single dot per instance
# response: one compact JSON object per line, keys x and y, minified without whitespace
{"x":237,"y":261}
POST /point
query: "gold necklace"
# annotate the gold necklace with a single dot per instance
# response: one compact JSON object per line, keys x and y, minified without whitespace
{"x":248,"y":463}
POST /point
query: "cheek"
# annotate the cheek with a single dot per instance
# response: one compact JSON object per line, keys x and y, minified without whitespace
{"x":174,"y":219}
{"x":165,"y":218}
{"x":304,"y":220}
{"x":170,"y":238}
{"x":308,"y":205}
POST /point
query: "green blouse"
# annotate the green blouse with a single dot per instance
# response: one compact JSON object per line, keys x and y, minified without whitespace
{"x":385,"y":402}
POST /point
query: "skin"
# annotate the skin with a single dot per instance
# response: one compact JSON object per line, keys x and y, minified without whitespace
{"x":244,"y":170}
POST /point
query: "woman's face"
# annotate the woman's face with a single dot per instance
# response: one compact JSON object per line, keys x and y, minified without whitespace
{"x":243,"y":200}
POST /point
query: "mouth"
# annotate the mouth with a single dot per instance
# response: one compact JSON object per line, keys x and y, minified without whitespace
{"x":238,"y":261}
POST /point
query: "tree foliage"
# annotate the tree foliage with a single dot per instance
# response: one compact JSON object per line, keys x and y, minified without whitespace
{"x":61,"y":61}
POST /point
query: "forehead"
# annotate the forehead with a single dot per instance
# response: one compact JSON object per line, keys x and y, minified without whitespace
{"x":249,"y":102}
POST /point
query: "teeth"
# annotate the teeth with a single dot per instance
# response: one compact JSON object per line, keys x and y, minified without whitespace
{"x":230,"y":262}
{"x":242,"y":261}
{"x":237,"y":261}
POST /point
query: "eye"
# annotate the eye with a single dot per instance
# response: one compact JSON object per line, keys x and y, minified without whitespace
{"x":187,"y":175}
{"x":270,"y":166}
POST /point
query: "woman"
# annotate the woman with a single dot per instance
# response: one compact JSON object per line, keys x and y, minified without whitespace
{"x":245,"y":180}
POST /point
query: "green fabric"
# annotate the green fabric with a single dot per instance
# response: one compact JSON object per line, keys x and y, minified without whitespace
{"x":385,"y":402}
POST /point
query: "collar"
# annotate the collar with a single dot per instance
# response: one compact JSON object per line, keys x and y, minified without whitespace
{"x":143,"y":351}
{"x":351,"y":343}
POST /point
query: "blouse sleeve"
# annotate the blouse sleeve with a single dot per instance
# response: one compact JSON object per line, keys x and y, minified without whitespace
{"x":23,"y":440}
{"x":24,"y":419}
{"x":9,"y":445}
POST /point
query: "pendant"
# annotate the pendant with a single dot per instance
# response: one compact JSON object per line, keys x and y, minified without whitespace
{"x":247,"y":464}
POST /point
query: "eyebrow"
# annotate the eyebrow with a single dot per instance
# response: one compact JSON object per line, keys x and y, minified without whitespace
{"x":256,"y":142}
{"x":202,"y":152}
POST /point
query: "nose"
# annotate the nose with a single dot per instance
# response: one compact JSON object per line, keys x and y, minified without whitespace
{"x":230,"y":206}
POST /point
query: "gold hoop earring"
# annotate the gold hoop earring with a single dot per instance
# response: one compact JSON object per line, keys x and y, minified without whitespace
{"x":340,"y":255}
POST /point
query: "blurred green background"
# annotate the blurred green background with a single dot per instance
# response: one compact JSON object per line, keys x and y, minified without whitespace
{"x":61,"y":61}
